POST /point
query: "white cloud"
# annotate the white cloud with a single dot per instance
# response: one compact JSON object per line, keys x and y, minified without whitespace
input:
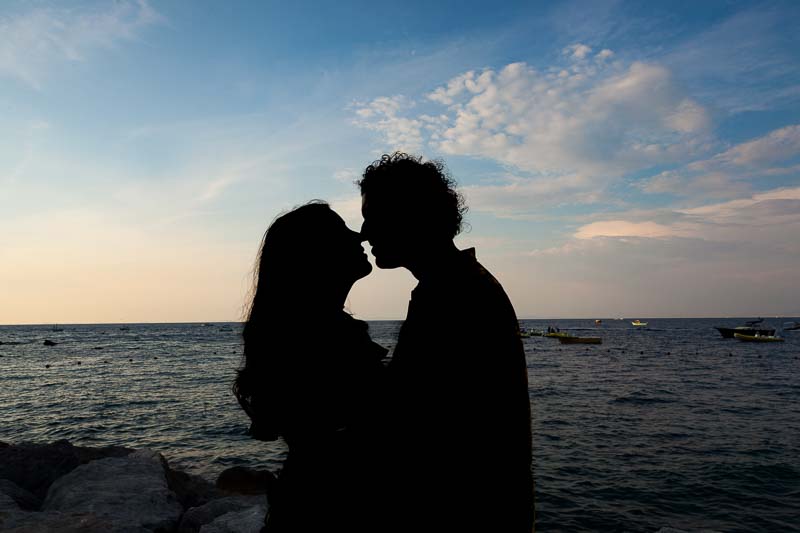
{"x":383,"y":116}
{"x":34,"y":42}
{"x":600,"y":120}
{"x":623,"y":228}
{"x":577,"y":51}
{"x":604,"y":54}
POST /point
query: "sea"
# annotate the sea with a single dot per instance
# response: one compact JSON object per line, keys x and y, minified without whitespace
{"x":659,"y":428}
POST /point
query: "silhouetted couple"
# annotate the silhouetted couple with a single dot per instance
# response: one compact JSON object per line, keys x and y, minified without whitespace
{"x":439,"y":438}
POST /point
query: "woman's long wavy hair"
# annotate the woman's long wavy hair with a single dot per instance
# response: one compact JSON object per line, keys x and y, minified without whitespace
{"x":285,"y":284}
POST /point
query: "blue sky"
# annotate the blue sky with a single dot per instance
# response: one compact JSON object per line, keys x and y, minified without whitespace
{"x":619,"y":158}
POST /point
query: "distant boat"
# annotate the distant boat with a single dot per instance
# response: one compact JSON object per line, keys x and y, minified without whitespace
{"x":525,"y":333}
{"x":56,"y":328}
{"x":638,"y":322}
{"x":556,"y":334}
{"x":580,"y":340}
{"x":225,"y":328}
{"x":124,"y":328}
{"x":751,"y":327}
{"x":598,"y":322}
{"x":757,"y":338}
{"x":791,"y":326}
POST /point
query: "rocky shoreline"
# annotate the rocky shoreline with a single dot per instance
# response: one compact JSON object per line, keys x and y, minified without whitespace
{"x":59,"y":487}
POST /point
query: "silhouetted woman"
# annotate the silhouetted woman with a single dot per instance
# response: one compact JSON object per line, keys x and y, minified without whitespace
{"x":311,"y":374}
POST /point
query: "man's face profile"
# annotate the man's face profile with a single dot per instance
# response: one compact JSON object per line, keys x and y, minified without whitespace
{"x":386,"y":230}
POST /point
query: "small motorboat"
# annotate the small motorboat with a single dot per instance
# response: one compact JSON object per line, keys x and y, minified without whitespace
{"x":580,"y":340}
{"x":757,"y":338}
{"x":639,"y":323}
{"x":751,"y":327}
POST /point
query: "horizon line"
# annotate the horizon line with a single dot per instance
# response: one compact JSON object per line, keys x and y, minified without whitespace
{"x":212,"y":322}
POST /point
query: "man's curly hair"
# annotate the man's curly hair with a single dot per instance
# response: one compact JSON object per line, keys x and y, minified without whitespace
{"x":426,"y":188}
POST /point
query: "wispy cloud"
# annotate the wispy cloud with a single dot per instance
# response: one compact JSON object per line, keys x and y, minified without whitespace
{"x":34,"y":42}
{"x":745,"y":62}
{"x":734,"y":171}
{"x":770,"y":218}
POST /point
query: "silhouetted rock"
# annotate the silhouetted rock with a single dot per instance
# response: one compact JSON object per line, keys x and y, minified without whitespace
{"x":191,"y":490}
{"x":24,"y":499}
{"x":249,"y":520}
{"x":48,"y":342}
{"x":196,"y":517}
{"x":93,"y":490}
{"x":131,"y":492}
{"x":58,"y":522}
{"x":34,"y":467}
{"x":244,"y":480}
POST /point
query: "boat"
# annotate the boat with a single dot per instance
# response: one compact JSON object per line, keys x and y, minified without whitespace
{"x":124,"y":328}
{"x":56,"y":328}
{"x":556,"y":334}
{"x":638,"y":322}
{"x":791,"y":326}
{"x":751,"y":327}
{"x":757,"y":338}
{"x":598,"y":322}
{"x":580,"y":340}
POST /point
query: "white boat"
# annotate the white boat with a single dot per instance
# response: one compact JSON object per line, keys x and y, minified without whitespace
{"x":639,"y":323}
{"x":757,"y":338}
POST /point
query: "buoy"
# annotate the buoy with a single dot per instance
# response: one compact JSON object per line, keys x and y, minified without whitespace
{"x":131,"y":360}
{"x":47,"y":366}
{"x":79,"y":362}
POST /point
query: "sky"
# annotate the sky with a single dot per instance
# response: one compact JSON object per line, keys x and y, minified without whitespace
{"x":619,"y":159}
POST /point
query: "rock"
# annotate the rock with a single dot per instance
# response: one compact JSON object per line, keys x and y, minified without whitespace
{"x":35,"y":466}
{"x":249,"y":520}
{"x":196,"y":517}
{"x":191,"y":490}
{"x":57,"y":522}
{"x":131,"y":492}
{"x":48,"y":342}
{"x":244,"y":480}
{"x":7,"y":505}
{"x":24,"y":499}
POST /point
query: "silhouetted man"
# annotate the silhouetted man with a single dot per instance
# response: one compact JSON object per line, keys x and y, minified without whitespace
{"x":459,"y":437}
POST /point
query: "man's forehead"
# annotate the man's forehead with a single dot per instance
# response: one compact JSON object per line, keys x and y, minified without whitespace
{"x":376,"y":203}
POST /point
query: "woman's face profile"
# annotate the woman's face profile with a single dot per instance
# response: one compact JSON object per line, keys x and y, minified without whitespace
{"x":344,"y":253}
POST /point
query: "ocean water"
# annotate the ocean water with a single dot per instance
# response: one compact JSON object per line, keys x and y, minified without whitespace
{"x":670,"y":426}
